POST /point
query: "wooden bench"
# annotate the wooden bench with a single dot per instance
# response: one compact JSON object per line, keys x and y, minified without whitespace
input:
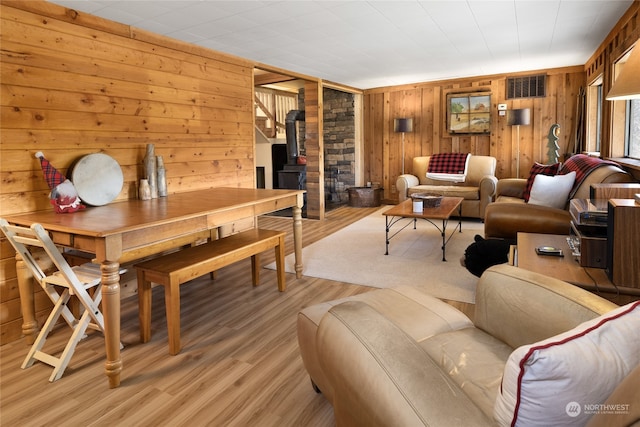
{"x":174,"y":269}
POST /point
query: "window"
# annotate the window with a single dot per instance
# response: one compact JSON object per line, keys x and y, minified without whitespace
{"x":595,"y":100}
{"x":632,"y":134}
{"x":599,"y":117}
{"x":625,"y":118}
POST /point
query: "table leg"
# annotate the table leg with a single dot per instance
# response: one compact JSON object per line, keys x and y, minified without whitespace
{"x":444,"y":238}
{"x":386,"y":234}
{"x":444,"y":228}
{"x":111,"y":312}
{"x":27,"y":302}
{"x":297,"y":239}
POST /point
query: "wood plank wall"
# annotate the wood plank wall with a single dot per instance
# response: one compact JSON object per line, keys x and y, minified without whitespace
{"x":74,"y":84}
{"x":426,"y":104}
{"x":314,"y":148}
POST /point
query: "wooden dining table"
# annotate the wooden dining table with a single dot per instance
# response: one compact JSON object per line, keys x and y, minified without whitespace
{"x":128,"y":230}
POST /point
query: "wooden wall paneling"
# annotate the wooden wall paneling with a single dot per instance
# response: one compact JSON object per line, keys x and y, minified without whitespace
{"x":447,"y":144}
{"x":165,"y":54}
{"x":387,"y":129}
{"x":397,"y":108}
{"x":114,"y":64}
{"x":140,"y":85}
{"x":439,"y":111}
{"x":461,"y":143}
{"x":314,"y":149}
{"x":545,"y":121}
{"x":7,"y":270}
{"x":566,"y":113}
{"x":497,"y":97}
{"x":481,"y":144}
{"x":375,"y":138}
{"x":556,"y":107}
{"x":11,"y":330}
{"x":528,"y":139}
{"x":73,"y":84}
{"x":413,"y":140}
{"x":475,"y":143}
{"x":575,"y":83}
{"x":9,"y":294}
{"x":405,"y":104}
{"x":499,"y":145}
{"x":41,"y":8}
{"x":368,"y":123}
{"x":428,"y":130}
{"x":540,"y":127}
{"x":367,"y":136}
{"x":511,"y":162}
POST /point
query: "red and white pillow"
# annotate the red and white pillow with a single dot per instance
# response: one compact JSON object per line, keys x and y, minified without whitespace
{"x":563,"y":379}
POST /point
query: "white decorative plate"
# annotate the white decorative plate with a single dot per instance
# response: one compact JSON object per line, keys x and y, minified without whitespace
{"x":98,"y":179}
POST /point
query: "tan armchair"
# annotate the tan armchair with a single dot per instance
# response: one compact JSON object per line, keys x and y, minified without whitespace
{"x":477,"y":191}
{"x":400,"y":357}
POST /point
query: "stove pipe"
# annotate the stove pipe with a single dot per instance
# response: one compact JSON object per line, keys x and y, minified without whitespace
{"x":291,"y":134}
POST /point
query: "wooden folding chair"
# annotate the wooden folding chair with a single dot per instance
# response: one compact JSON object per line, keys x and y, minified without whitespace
{"x":60,"y":285}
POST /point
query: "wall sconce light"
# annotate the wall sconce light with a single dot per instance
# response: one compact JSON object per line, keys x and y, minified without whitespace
{"x":403,"y":125}
{"x":517,"y":118}
{"x":627,"y":84}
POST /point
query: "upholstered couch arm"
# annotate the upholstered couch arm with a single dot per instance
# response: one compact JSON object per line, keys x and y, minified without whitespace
{"x":403,"y":183}
{"x":488,"y":185}
{"x":359,"y":351}
{"x":521,"y":307}
{"x":505,"y":220}
{"x":511,"y":187}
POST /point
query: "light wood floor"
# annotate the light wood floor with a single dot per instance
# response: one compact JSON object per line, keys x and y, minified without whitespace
{"x":239,"y":365}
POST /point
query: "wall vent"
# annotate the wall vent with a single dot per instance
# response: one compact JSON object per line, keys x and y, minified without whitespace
{"x":527,"y":86}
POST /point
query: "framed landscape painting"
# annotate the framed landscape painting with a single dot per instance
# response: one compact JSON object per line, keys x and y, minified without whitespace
{"x":469,"y":113}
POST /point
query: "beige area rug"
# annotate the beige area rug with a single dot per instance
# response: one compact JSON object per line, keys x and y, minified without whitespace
{"x":355,"y":255}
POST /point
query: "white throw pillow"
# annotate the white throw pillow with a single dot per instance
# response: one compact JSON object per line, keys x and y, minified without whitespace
{"x":552,"y":190}
{"x":565,"y":379}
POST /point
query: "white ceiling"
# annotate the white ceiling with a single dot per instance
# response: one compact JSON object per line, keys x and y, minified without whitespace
{"x":368,"y":44}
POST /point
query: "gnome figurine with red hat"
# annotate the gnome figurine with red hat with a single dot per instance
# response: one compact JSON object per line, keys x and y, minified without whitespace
{"x":64,"y":196}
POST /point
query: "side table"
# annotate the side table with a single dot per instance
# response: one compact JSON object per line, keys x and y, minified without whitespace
{"x":565,"y":268}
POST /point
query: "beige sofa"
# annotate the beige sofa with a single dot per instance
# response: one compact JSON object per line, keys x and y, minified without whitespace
{"x":510,"y":214}
{"x":477,"y":191}
{"x":399,"y":357}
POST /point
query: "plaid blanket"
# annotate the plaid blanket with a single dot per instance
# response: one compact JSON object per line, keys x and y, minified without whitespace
{"x":582,"y":165}
{"x":453,"y":163}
